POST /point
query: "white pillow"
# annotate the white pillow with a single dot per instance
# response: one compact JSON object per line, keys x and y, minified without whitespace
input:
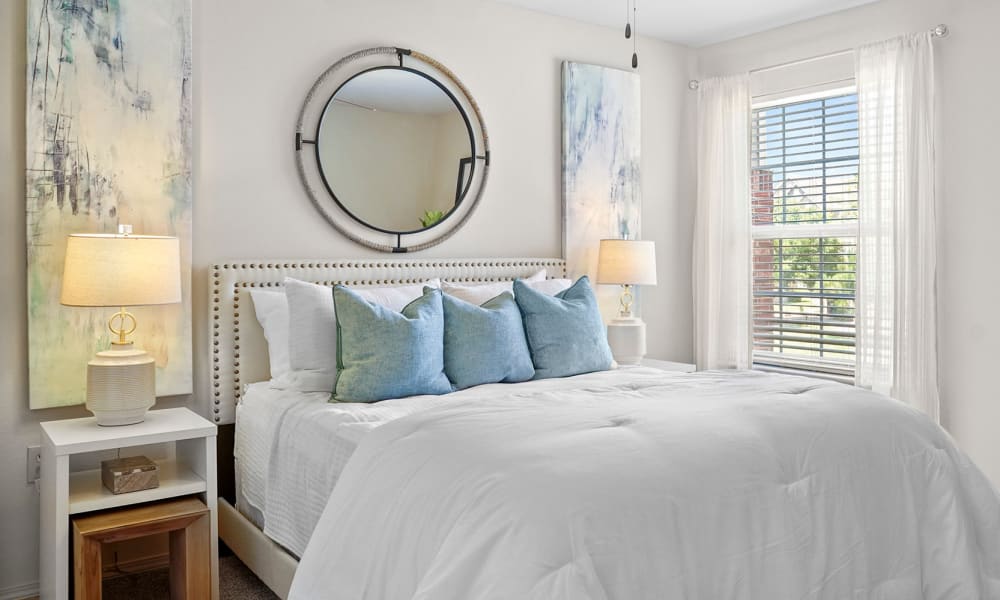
{"x":312,"y":329}
{"x":550,"y":286}
{"x":312,"y":324}
{"x":271,"y":307}
{"x":477,"y":293}
{"x":394,"y":297}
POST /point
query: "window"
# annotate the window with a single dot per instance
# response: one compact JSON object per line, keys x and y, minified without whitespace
{"x":804,"y":211}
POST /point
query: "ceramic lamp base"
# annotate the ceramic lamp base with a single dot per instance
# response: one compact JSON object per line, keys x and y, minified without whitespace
{"x":121,"y":385}
{"x":627,"y":339}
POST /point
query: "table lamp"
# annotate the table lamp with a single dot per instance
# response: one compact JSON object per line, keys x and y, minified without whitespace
{"x":121,"y":270}
{"x":627,"y":263}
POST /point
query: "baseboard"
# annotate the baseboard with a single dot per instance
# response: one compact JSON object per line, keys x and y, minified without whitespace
{"x":24,"y":591}
{"x":29,"y":591}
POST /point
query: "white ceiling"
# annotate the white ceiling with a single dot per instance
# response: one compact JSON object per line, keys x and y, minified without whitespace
{"x":395,"y":90}
{"x":692,"y":22}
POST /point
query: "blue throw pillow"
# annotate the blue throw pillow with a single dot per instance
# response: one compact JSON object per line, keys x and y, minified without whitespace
{"x":384,"y":354}
{"x":486,"y":343}
{"x":565,"y":332}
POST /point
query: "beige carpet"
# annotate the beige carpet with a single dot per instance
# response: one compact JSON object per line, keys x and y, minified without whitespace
{"x":236,"y":582}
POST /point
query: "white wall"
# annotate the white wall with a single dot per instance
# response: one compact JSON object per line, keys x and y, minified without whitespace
{"x":253,"y":63}
{"x":969,"y":85}
{"x":508,"y":58}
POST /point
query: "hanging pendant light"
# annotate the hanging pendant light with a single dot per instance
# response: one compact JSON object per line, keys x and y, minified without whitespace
{"x":628,"y":24}
{"x":635,"y":54}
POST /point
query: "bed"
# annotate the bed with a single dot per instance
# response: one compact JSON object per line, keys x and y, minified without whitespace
{"x":623,"y":484}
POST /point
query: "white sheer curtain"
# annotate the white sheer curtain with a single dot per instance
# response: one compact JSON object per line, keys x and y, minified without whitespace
{"x":896,"y":285}
{"x":722,"y":225}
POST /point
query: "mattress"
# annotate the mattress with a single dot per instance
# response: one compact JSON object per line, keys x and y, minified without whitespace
{"x":291,"y":447}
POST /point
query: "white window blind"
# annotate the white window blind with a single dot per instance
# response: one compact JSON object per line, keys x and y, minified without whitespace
{"x":804,"y":206}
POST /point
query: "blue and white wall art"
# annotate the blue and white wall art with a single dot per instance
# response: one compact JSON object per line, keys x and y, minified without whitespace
{"x":108,"y":142}
{"x":601,"y":185}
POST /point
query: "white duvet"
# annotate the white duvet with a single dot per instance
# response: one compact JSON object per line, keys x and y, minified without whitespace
{"x":292,"y":446}
{"x":709,"y":486}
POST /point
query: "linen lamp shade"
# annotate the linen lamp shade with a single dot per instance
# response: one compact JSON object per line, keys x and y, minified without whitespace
{"x":626,"y":262}
{"x":121,"y":270}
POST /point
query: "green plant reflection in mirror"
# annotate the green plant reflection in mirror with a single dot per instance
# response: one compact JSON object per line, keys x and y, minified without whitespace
{"x":431,"y":217}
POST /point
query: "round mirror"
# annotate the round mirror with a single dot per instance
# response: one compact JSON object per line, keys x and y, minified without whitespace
{"x":393,"y":155}
{"x":395,"y":150}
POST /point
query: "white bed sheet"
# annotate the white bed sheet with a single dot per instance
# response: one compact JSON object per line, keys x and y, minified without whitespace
{"x":291,"y":447}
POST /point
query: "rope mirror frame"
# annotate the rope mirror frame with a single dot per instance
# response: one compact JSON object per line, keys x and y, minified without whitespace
{"x":318,"y":189}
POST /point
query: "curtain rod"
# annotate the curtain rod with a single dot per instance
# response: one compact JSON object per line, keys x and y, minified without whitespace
{"x":939,"y":32}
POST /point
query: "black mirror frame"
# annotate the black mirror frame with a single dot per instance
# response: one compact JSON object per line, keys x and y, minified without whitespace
{"x":468,"y":128}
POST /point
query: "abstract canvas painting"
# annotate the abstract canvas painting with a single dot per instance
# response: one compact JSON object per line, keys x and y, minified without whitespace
{"x":600,"y":168}
{"x":108,"y":143}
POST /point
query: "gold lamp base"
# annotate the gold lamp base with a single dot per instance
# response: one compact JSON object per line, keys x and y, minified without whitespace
{"x":121,"y":385}
{"x":625,"y":302}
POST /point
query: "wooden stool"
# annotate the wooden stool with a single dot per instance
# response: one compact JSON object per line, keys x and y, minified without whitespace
{"x":187,"y":520}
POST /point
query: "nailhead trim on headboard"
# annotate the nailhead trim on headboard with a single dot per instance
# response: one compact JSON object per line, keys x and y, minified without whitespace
{"x":230,"y":278}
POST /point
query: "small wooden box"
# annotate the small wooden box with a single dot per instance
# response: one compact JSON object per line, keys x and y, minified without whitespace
{"x":132,"y":474}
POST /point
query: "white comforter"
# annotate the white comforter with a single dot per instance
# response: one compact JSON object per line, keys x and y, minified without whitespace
{"x":292,"y":446}
{"x":709,"y":486}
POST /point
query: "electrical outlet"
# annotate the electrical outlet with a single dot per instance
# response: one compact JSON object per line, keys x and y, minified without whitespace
{"x":34,"y":464}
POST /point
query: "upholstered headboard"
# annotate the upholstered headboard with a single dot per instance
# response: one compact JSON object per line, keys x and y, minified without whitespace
{"x":238,"y":349}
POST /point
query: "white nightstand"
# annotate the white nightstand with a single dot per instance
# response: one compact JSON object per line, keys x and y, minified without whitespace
{"x":666,"y":365}
{"x":189,"y":470}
